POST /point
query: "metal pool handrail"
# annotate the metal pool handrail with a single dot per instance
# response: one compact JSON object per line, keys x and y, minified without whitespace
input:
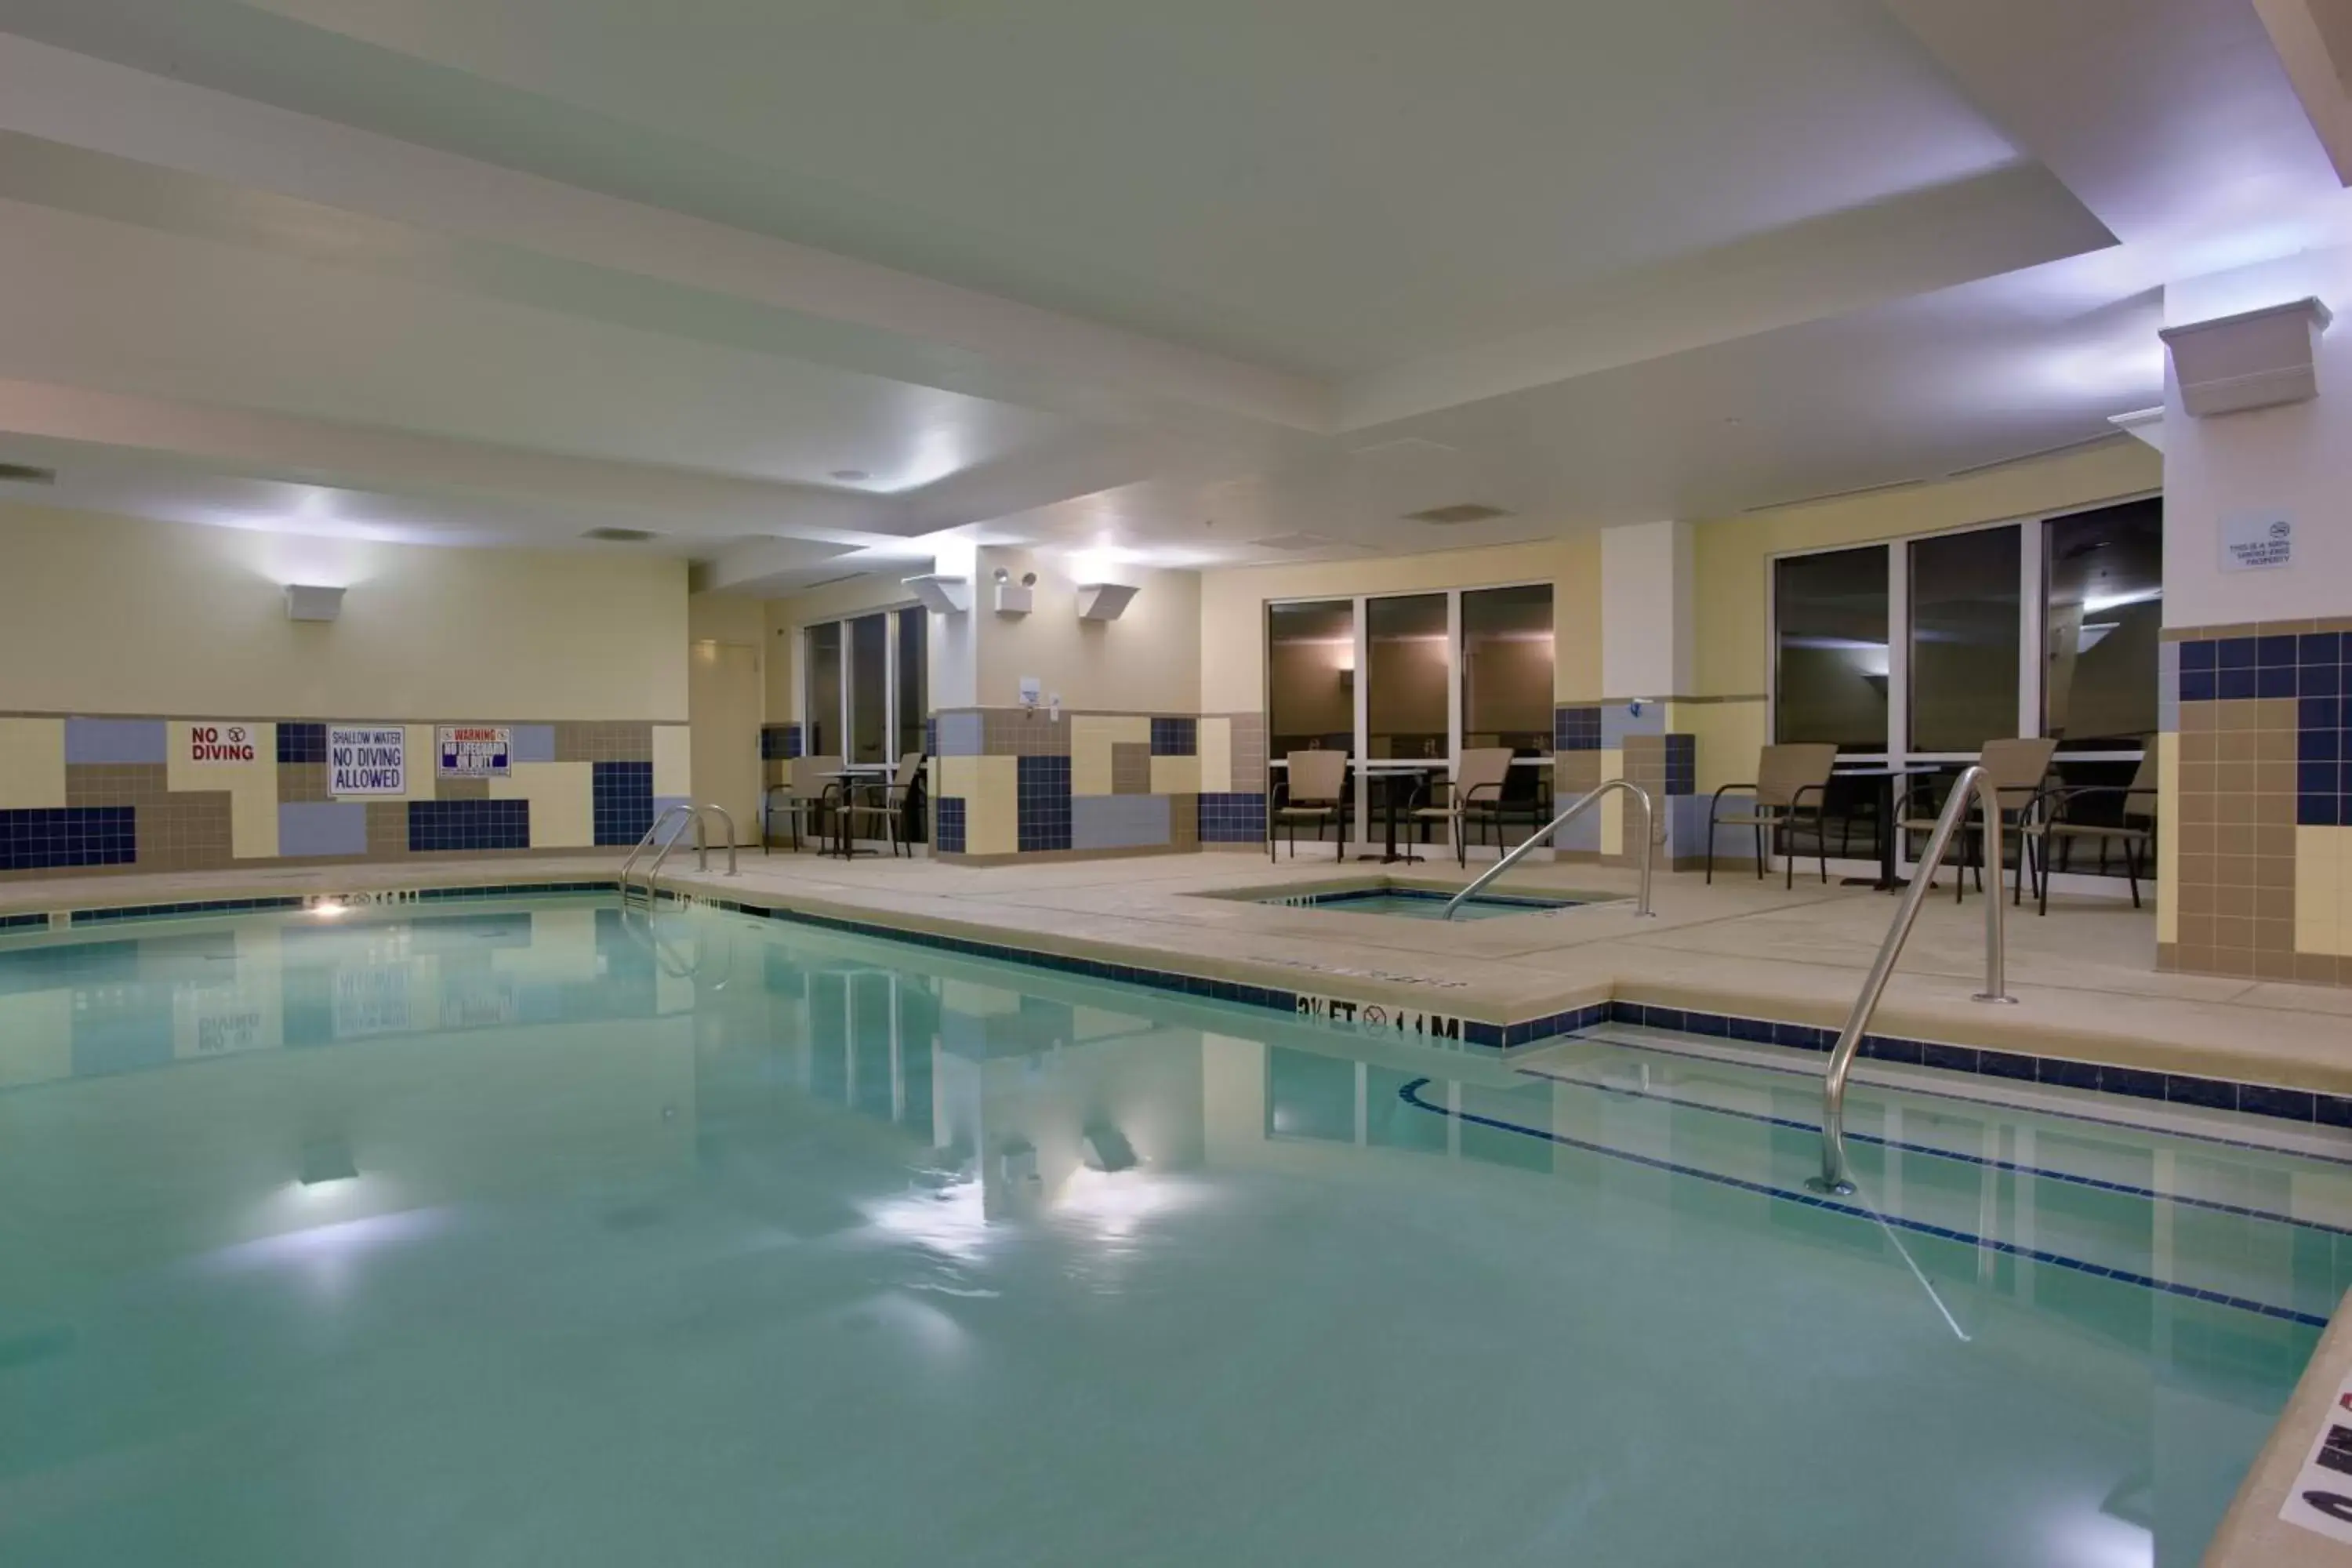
{"x":1543,"y":835}
{"x":1835,"y":1177}
{"x":701,"y":845}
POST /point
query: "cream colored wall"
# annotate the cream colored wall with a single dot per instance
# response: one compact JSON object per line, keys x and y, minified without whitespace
{"x":1233,"y":600}
{"x":104,"y":615}
{"x":725,"y":617}
{"x":1146,"y":661}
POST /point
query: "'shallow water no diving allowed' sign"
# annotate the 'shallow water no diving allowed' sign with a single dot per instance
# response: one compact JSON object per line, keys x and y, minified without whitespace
{"x":362,"y":760}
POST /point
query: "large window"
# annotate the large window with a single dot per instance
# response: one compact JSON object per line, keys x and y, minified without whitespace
{"x":1310,"y":667}
{"x":1409,"y":667}
{"x":1964,"y":660}
{"x":1829,"y":652}
{"x":2104,"y":608}
{"x":1507,"y":667}
{"x":1923,"y":649}
{"x":867,"y":686}
{"x":1404,"y":679}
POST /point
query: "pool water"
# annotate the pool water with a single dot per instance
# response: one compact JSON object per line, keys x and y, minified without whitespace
{"x":1424,"y":904}
{"x":530,"y":1234}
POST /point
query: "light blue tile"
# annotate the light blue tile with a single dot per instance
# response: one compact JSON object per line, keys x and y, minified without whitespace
{"x":114,"y":740}
{"x":684,"y":827}
{"x":322,"y":827}
{"x":960,"y":735}
{"x":1118,"y":821}
{"x":2167,"y":688}
{"x":534,"y":744}
{"x":1582,"y":835}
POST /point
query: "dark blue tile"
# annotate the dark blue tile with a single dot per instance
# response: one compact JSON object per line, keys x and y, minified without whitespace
{"x":2319,"y":647}
{"x":2136,"y":1082}
{"x":1803,"y":1036}
{"x":2235,"y":653}
{"x":2234,"y":684}
{"x":1757,"y":1031}
{"x":2319,"y":713}
{"x":2316,"y":778}
{"x":2318,"y":745}
{"x":2276,"y":680}
{"x":2069,"y":1075}
{"x":2008,"y":1064}
{"x":1891,"y":1048}
{"x":2214,"y":1094}
{"x":2320,"y":680}
{"x":2197,"y":654}
{"x":2275,"y":650}
{"x":2262,"y":1100}
{"x":2197,"y":685}
{"x":1951,"y":1058}
{"x":2334,"y":1110}
{"x":301,"y":743}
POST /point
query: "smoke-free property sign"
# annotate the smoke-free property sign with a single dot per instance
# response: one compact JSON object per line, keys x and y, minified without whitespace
{"x":367,"y":760}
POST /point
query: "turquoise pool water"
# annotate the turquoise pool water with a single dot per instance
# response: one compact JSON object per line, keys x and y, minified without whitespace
{"x":523,"y":1234}
{"x":1422,"y":904}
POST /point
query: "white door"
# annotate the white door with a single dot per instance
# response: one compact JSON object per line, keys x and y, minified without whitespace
{"x":724,"y":704}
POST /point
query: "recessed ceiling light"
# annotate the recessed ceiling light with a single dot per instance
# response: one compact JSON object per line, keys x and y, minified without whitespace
{"x":851,"y":475}
{"x":621,"y":535}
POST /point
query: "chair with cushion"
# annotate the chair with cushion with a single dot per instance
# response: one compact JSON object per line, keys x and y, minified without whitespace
{"x":1313,"y":788}
{"x":2054,"y":825}
{"x":886,"y":799}
{"x":1786,"y":775}
{"x":2014,"y":769}
{"x":1471,"y":796}
{"x":809,"y":790}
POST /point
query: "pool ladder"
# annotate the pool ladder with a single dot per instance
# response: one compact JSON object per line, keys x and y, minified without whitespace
{"x":1836,"y":1176}
{"x":701,"y":848}
{"x":1543,"y":835}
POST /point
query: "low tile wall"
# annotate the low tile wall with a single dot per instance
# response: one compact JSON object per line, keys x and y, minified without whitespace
{"x":85,"y":794}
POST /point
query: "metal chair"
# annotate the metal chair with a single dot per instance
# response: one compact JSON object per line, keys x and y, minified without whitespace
{"x":804,"y":798}
{"x":1314,"y":788}
{"x":888,"y":798}
{"x":1471,"y":795}
{"x":2014,"y":769}
{"x":1785,"y":775}
{"x":2049,"y":821}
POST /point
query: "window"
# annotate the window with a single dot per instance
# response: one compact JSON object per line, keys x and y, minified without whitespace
{"x":2104,"y":607}
{"x":1506,"y":669}
{"x":914,"y":681}
{"x":1964,"y":640}
{"x":822,"y":698}
{"x":869,"y":641}
{"x":1831,"y":648}
{"x":1310,"y":668}
{"x":1405,"y":700}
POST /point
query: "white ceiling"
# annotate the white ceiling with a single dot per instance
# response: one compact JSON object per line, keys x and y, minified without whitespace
{"x":1160,"y":281}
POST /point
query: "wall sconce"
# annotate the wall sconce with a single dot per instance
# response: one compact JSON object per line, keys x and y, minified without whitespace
{"x":2253,"y":360}
{"x":941,"y":595}
{"x":1103,"y":600}
{"x":306,"y":602}
{"x":1015,"y":598}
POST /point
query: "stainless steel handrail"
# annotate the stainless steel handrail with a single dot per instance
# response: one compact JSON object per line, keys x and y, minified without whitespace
{"x":1835,"y":1176}
{"x":701,"y":845}
{"x":1543,"y":835}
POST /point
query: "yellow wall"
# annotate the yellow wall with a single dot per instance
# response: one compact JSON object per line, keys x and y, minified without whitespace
{"x":1146,"y":661}
{"x":107,"y":615}
{"x":1233,"y":600}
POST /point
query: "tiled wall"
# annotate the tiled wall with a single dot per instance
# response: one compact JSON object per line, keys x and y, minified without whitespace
{"x":1595,"y":742}
{"x":2255,"y":814}
{"x":1010,"y":781}
{"x":88,"y":793}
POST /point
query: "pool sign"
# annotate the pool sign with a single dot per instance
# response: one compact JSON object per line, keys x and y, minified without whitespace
{"x":2320,"y":1498}
{"x":2257,"y":541}
{"x":1376,"y":1018}
{"x":220,"y":743}
{"x":367,"y":762}
{"x":475,"y":752}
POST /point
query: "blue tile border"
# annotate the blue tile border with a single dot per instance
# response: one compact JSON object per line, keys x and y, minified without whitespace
{"x":201,"y":907}
{"x":1410,"y":1093}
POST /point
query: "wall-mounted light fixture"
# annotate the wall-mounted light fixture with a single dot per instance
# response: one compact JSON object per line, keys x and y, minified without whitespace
{"x":1103,"y":600}
{"x":941,"y":595}
{"x":1015,"y":598}
{"x":308,"y":602}
{"x":2256,"y":359}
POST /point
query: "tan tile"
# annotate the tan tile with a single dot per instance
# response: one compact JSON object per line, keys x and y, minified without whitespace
{"x":301,"y":781}
{"x":2270,"y":964}
{"x":2316,"y":968}
{"x":2233,"y":900}
{"x":1130,"y":768}
{"x":116,"y":784}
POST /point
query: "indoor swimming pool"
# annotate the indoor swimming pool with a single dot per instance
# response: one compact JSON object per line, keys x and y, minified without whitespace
{"x":534,"y":1232}
{"x":1421,"y":903}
